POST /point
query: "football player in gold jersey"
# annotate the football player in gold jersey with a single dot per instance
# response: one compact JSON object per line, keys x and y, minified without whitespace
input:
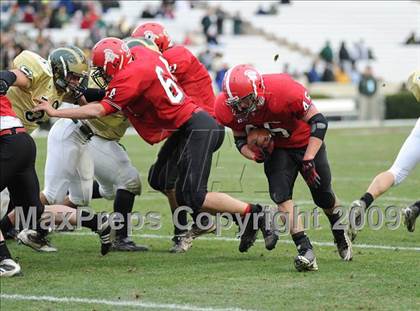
{"x":63,"y":76}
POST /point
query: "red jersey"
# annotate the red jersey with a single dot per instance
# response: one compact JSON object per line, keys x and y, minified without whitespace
{"x":146,"y":92}
{"x":192,"y":76}
{"x":286,"y":103}
{"x":6,"y":107}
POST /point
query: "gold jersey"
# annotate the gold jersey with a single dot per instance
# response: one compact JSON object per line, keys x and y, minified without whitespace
{"x":111,"y":127}
{"x":38,"y":70}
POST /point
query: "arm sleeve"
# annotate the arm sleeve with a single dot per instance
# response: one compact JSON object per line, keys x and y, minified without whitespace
{"x":123,"y":90}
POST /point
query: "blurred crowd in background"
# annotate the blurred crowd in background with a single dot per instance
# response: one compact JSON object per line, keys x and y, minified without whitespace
{"x":330,"y":66}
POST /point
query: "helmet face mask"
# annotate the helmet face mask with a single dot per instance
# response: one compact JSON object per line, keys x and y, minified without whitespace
{"x":70,"y":70}
{"x":100,"y":77}
{"x":243,"y":107}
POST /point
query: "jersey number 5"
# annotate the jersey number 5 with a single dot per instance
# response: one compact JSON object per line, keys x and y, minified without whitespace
{"x":172,"y":90}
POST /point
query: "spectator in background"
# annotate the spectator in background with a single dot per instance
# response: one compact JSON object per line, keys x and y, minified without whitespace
{"x":28,"y":14}
{"x":148,"y":12}
{"x":206,"y":21}
{"x":212,"y":36}
{"x":313,"y":75}
{"x":354,"y":73}
{"x":261,"y":11}
{"x":106,"y":4}
{"x":220,"y":74}
{"x":326,"y":53}
{"x":368,"y":103}
{"x":328,"y":75}
{"x":206,"y":58}
{"x":343,"y":53}
{"x":237,"y":24}
{"x":59,"y":17}
{"x":341,"y":75}
{"x":220,"y":19}
{"x":90,"y":18}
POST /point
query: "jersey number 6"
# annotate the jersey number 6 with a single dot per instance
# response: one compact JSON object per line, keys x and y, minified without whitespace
{"x":172,"y":90}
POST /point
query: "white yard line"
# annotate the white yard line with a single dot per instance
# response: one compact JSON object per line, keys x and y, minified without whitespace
{"x":226,"y":239}
{"x":116,"y":303}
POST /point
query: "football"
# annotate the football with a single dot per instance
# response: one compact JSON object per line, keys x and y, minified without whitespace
{"x":259,"y":137}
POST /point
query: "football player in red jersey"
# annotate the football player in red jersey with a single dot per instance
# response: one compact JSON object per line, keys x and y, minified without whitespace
{"x":141,"y":85}
{"x":281,"y":105}
{"x":196,"y":82}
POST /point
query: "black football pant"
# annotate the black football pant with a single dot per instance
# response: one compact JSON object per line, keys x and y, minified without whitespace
{"x":283,"y":167}
{"x":184,"y":161}
{"x":17,"y":171}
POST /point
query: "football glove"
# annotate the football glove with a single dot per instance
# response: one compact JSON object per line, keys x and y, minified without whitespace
{"x":310,"y":174}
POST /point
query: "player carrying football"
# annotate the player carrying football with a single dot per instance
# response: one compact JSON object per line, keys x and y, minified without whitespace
{"x":141,"y":85}
{"x":406,"y":161}
{"x":282,"y":106}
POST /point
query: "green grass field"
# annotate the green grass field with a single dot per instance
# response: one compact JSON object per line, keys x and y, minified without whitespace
{"x":213,"y":275}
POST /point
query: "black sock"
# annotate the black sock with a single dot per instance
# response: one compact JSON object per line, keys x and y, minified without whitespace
{"x":301,"y":241}
{"x":91,"y":224}
{"x":95,"y":193}
{"x":182,"y":220}
{"x":6,"y":225}
{"x":333,"y":218}
{"x":4,"y":251}
{"x":367,"y":198}
{"x":123,"y":204}
{"x":416,"y":208}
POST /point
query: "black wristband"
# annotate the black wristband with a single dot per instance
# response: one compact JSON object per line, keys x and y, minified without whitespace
{"x":94,"y":95}
{"x":240,"y":141}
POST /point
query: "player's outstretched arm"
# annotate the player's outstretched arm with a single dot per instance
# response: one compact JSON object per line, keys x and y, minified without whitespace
{"x":10,"y":78}
{"x":90,"y":111}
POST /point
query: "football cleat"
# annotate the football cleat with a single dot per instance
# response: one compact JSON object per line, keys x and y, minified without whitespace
{"x":35,"y":240}
{"x":306,"y":261}
{"x":104,"y":233}
{"x":410,"y":215}
{"x":249,"y":235}
{"x":9,"y":268}
{"x":128,"y":245}
{"x":357,"y":207}
{"x":181,"y":244}
{"x":266,"y":225}
{"x":195,"y":231}
{"x":11,"y":234}
{"x":343,"y":243}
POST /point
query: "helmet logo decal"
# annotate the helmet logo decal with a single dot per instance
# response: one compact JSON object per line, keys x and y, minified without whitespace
{"x":149,"y":35}
{"x":253,"y":77}
{"x":110,"y":56}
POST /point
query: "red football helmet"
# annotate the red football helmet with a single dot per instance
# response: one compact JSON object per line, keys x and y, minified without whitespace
{"x":154,"y":32}
{"x":244,"y":88}
{"x":109,"y":56}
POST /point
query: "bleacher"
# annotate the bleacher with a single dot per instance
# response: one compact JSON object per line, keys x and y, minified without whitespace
{"x":382,"y":25}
